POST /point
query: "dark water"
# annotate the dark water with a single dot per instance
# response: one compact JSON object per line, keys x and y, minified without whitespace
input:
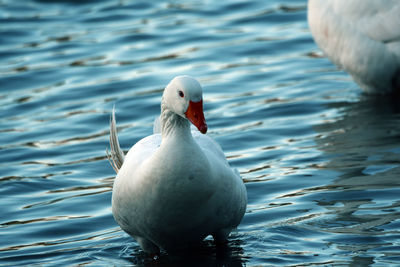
{"x":321,"y":160}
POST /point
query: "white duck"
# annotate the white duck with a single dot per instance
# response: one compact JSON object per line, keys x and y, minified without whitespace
{"x":175,"y":188}
{"x":362,"y":37}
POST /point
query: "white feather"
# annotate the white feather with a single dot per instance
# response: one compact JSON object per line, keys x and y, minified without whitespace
{"x":362,"y":37}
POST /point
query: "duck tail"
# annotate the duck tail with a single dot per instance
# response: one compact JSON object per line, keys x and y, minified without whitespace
{"x":115,"y":155}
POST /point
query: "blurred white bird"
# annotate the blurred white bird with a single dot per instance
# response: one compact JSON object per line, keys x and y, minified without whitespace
{"x":362,"y":37}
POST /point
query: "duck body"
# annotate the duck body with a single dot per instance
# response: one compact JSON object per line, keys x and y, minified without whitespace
{"x":362,"y":37}
{"x":176,"y":187}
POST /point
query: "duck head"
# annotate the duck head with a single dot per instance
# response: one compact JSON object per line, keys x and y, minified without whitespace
{"x":184,"y":96}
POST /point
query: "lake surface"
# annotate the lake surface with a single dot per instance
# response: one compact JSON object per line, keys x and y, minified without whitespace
{"x":321,"y":160}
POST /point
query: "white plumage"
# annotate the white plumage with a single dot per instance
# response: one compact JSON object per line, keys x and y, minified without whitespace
{"x":176,"y":187}
{"x":362,"y":37}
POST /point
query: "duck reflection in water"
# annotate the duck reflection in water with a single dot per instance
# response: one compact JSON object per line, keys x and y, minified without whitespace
{"x":363,"y":147}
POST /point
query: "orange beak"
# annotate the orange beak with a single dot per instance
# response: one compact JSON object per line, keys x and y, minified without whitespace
{"x":195,"y":115}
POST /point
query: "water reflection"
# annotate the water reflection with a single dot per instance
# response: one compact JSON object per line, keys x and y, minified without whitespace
{"x":363,"y":141}
{"x":363,"y":147}
{"x":207,"y":254}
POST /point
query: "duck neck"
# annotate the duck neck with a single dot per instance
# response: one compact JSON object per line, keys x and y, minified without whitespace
{"x":173,"y":125}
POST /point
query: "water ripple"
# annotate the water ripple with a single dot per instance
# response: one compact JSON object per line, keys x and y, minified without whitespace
{"x":319,"y":159}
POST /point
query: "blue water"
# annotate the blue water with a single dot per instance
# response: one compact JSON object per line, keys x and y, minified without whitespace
{"x":321,"y":160}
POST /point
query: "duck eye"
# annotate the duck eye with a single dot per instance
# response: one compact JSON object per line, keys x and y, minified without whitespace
{"x":181,"y":94}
